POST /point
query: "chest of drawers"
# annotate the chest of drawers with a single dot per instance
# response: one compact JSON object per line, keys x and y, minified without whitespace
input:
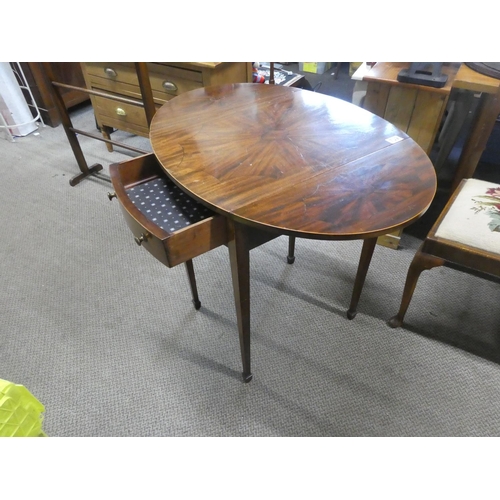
{"x":167,"y":81}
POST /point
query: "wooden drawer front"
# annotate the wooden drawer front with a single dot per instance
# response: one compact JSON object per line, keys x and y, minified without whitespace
{"x":166,"y":222}
{"x":169,"y":81}
{"x":121,"y":116}
{"x":112,"y":72}
{"x":117,"y":78}
{"x":121,"y":78}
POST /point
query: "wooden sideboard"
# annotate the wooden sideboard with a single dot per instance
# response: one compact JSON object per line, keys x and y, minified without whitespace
{"x":167,"y":81}
{"x":415,"y":109}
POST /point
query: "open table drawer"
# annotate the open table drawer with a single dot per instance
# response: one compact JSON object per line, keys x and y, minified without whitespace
{"x":169,"y":224}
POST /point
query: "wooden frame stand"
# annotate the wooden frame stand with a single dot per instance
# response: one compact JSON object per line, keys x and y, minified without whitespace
{"x":72,"y":133}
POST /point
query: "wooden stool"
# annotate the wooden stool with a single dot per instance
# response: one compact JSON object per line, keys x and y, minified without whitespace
{"x":466,"y":236}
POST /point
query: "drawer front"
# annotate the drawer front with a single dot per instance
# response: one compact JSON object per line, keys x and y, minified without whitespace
{"x":169,"y":81}
{"x":169,"y":245}
{"x":152,"y":241}
{"x":121,"y":78}
{"x":121,"y":115}
{"x":112,"y":72}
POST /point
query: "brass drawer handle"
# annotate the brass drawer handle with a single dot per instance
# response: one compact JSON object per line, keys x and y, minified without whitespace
{"x":141,"y":239}
{"x":121,"y":112}
{"x":110,"y":72}
{"x":171,"y":86}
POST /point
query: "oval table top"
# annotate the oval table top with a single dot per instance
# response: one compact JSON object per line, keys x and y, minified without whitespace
{"x":293,"y":161}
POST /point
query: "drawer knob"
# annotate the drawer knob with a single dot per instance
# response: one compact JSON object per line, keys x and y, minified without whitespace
{"x":110,"y":72}
{"x":111,"y":195}
{"x":139,"y":240}
{"x":121,"y":112}
{"x":170,"y":86}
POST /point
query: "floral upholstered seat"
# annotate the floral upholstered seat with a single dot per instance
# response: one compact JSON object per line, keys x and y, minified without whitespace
{"x":474,"y":217}
{"x":466,"y":235}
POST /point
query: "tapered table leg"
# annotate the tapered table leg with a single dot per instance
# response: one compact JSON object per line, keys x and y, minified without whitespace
{"x":239,"y":255}
{"x":291,"y":250}
{"x":192,"y":283}
{"x":364,"y":264}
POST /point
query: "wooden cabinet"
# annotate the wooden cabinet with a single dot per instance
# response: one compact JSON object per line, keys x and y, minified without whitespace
{"x":167,"y":81}
{"x":415,"y":109}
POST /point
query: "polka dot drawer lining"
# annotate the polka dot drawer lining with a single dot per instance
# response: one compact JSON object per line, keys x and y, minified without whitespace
{"x":166,"y":205}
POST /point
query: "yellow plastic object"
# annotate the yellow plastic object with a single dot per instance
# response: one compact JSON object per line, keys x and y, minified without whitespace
{"x":21,"y":414}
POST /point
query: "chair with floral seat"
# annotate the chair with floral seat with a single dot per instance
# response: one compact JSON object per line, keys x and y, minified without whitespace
{"x":466,"y":236}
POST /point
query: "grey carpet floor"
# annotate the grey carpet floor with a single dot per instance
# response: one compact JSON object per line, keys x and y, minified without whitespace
{"x":108,"y":340}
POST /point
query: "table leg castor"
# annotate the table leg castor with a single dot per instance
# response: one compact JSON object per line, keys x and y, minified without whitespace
{"x":351,"y":314}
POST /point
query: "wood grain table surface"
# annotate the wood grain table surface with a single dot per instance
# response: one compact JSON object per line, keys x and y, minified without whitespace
{"x":286,"y":161}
